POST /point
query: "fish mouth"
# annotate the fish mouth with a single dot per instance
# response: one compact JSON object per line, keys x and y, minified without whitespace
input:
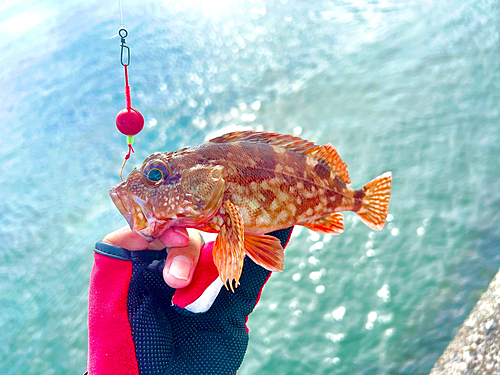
{"x":139,"y":214}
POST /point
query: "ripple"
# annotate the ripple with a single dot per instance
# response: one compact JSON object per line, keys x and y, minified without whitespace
{"x":314,"y":261}
{"x":256,"y":105}
{"x":320,"y":289}
{"x":329,"y":360}
{"x":335,"y":337}
{"x":389,"y":332}
{"x":317,"y":246}
{"x":384,"y":293}
{"x":314,"y":236}
{"x":152,"y":122}
{"x":338,"y":314}
{"x":315,"y":275}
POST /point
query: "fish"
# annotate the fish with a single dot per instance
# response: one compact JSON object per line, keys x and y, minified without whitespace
{"x":243,"y":185}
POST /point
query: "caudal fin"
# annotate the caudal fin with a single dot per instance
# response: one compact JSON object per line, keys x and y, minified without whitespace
{"x":375,"y":204}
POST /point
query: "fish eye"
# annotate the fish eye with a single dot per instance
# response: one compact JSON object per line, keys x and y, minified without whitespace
{"x":155,"y":175}
{"x":155,"y":172}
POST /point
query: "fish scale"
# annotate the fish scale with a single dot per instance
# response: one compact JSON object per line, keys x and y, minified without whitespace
{"x":243,"y":185}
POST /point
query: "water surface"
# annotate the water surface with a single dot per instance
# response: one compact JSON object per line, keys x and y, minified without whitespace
{"x":406,"y":86}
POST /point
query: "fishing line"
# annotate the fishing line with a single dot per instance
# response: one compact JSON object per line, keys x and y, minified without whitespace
{"x":129,"y":120}
{"x":121,"y":14}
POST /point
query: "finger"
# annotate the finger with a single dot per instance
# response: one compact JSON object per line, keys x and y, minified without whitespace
{"x":156,"y":245}
{"x":175,"y":237}
{"x":126,"y":238}
{"x":181,"y":262}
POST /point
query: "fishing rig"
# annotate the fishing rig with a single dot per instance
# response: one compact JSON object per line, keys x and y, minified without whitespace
{"x":129,"y":120}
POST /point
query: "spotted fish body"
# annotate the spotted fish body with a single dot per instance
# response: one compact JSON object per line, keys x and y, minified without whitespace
{"x":243,"y":185}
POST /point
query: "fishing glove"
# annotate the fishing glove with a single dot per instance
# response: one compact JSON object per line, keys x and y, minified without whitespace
{"x":140,"y":325}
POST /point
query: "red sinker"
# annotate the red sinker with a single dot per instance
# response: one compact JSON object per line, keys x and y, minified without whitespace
{"x":129,"y":121}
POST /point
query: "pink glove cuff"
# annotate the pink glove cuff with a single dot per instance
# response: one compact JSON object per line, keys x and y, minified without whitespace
{"x":111,"y":348}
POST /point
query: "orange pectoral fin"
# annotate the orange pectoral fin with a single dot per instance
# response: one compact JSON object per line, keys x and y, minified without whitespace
{"x":228,"y":249}
{"x":332,"y":224}
{"x":266,"y":251}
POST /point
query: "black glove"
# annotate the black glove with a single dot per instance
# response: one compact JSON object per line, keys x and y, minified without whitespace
{"x":140,"y":325}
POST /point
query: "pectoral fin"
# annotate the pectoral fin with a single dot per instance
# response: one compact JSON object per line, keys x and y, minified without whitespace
{"x":266,"y":251}
{"x":332,"y":224}
{"x":228,"y":249}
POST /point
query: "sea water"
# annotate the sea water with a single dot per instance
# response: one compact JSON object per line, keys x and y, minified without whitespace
{"x":406,"y":86}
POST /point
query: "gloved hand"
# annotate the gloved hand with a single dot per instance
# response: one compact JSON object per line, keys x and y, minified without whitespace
{"x":140,"y":325}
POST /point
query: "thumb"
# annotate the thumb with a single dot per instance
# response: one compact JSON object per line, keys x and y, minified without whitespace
{"x":182,"y":260}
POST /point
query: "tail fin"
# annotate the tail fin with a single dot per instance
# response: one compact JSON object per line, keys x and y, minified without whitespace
{"x":375,"y":204}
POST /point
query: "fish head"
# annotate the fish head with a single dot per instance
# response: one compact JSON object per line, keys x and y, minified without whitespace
{"x":166,"y":192}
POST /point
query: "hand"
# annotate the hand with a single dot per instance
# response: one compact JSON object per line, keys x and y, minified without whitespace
{"x":183,"y":251}
{"x":140,"y":325}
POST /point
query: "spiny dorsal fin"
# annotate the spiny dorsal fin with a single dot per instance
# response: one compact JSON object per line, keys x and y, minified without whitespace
{"x":169,"y":155}
{"x":277,"y":139}
{"x":326,"y":153}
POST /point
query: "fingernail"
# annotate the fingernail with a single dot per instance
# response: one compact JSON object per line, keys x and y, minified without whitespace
{"x":181,"y":232}
{"x":180,"y":267}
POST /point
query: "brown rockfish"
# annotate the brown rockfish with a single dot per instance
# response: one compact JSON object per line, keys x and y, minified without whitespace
{"x":243,"y":185}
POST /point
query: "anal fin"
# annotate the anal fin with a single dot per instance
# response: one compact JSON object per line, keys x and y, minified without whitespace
{"x":332,"y":224}
{"x":228,"y":250}
{"x":266,"y":251}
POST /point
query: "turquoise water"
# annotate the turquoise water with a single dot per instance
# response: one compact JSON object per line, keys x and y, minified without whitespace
{"x":407,"y":86}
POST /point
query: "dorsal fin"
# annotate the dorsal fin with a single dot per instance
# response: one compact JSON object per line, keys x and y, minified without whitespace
{"x":277,"y":139}
{"x":169,"y":155}
{"x":326,"y":153}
